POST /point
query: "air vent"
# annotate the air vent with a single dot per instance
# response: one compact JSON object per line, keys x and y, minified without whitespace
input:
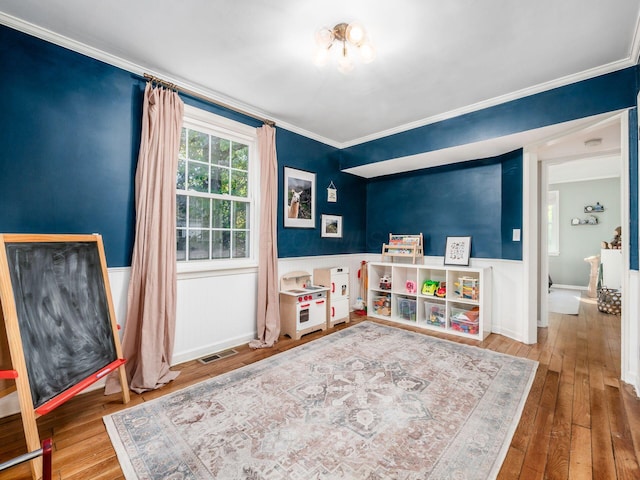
{"x":217,"y":356}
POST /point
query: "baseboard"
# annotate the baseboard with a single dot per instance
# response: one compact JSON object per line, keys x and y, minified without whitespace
{"x":187,"y":356}
{"x":569,"y":287}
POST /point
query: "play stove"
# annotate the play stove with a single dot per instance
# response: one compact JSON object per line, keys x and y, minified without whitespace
{"x":303,"y":306}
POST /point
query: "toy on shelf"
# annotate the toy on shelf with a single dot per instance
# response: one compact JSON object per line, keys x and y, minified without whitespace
{"x":435,"y":314}
{"x":382,"y":305}
{"x":466,"y":321}
{"x":385,"y":283}
{"x":410,"y":286}
{"x":429,"y":287}
{"x":467,"y":288}
{"x":441,"y":292}
{"x":401,"y":245}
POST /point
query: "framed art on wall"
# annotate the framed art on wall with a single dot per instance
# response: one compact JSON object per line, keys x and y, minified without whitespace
{"x":299,"y":198}
{"x":331,"y":226}
{"x":457,"y":251}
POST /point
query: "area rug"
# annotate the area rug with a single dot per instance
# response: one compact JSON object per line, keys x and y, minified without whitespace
{"x":566,"y":302}
{"x":367,"y":402}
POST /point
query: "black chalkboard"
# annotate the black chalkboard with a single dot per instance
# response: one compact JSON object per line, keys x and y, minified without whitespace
{"x":63,"y":313}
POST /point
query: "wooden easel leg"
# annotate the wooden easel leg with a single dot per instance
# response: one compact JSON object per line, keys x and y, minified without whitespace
{"x":122,"y":373}
{"x":33,"y":442}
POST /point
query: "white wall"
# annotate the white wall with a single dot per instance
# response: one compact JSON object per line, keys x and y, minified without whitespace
{"x":582,"y":241}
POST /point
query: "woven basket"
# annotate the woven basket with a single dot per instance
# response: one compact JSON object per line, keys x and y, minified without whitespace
{"x":609,"y":301}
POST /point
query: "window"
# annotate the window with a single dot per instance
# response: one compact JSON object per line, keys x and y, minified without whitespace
{"x":216,"y":191}
{"x":553,"y":224}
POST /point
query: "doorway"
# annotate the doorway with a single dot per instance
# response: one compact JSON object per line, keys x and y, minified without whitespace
{"x":535,"y":181}
{"x":581,"y":178}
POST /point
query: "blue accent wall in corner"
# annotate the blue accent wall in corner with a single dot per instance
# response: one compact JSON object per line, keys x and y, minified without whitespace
{"x":302,"y":153}
{"x":480,"y":198}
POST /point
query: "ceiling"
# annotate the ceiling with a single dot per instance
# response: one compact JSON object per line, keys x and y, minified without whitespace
{"x":435,"y":59}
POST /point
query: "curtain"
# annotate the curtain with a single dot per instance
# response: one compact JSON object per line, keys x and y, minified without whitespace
{"x":268,"y":304}
{"x":148,"y":338}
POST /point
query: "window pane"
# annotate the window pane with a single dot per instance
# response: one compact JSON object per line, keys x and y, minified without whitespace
{"x":198,"y":146}
{"x":180,"y":176}
{"x":181,"y":210}
{"x":183,"y":144}
{"x":219,"y":180}
{"x":199,"y":212}
{"x":240,"y":156}
{"x":221,"y":214}
{"x":220,"y":151}
{"x":198,"y":244}
{"x":198,"y":177}
{"x":220,"y":244}
{"x":239,"y":183}
{"x":240,"y":248}
{"x":181,"y":244}
{"x":240,"y":214}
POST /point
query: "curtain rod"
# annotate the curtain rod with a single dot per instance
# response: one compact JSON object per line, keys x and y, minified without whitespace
{"x":175,"y":87}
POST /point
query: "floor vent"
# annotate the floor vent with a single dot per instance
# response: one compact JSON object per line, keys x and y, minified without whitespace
{"x":217,"y":356}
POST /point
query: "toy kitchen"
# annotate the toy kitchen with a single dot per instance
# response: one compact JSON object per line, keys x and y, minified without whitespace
{"x":303,"y":306}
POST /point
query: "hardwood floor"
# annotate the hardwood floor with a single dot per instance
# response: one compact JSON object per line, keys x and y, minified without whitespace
{"x":579,"y":421}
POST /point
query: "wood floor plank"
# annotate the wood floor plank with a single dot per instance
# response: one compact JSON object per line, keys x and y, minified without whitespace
{"x":580,"y":465}
{"x":560,"y":438}
{"x":601,"y":446}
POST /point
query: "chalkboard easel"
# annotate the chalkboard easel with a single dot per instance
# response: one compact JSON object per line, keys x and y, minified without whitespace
{"x":60,"y":332}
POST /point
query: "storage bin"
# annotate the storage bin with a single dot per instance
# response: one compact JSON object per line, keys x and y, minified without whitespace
{"x":406,"y":308}
{"x":465,"y":320}
{"x":435,"y":314}
{"x":610,"y":301}
{"x":381,"y":305}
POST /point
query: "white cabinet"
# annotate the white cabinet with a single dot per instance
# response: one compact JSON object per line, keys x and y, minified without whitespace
{"x":611,"y":260}
{"x":336,"y":279}
{"x":450,"y":299}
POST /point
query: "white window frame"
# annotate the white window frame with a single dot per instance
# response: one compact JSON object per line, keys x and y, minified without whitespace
{"x":229,"y":129}
{"x":553,"y":227}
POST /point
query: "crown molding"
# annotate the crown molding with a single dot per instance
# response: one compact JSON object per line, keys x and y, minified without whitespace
{"x":492,"y":102}
{"x":634,"y":53}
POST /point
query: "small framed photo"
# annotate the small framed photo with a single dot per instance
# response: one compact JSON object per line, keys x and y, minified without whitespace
{"x":457,"y":251}
{"x":299,"y":198}
{"x":331,"y":226}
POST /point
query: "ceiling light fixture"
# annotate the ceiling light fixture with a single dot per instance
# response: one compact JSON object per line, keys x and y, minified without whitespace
{"x":347,"y":38}
{"x":593,"y":142}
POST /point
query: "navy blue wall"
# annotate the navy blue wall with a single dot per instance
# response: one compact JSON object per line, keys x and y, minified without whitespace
{"x":70,"y":132}
{"x":302,"y":153}
{"x":633,"y":189}
{"x":452,"y":200}
{"x":69,"y":128}
{"x":602,"y":94}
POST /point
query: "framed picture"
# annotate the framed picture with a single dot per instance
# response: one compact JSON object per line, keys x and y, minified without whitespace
{"x":331,"y":226}
{"x":457,"y":251}
{"x":299,"y":198}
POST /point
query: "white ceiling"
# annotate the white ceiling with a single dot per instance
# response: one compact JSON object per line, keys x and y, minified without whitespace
{"x":436,"y":59}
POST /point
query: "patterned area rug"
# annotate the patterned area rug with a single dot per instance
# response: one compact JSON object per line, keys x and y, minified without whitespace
{"x":367,"y":402}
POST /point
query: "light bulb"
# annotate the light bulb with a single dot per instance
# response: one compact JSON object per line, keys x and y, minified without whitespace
{"x":345,"y":62}
{"x":367,"y":52}
{"x":355,"y":33}
{"x":324,"y":38}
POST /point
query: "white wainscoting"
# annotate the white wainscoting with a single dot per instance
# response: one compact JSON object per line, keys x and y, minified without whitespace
{"x":631,"y":347}
{"x":217,"y":311}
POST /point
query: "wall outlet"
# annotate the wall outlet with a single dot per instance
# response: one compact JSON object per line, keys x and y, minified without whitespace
{"x":516,"y":234}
